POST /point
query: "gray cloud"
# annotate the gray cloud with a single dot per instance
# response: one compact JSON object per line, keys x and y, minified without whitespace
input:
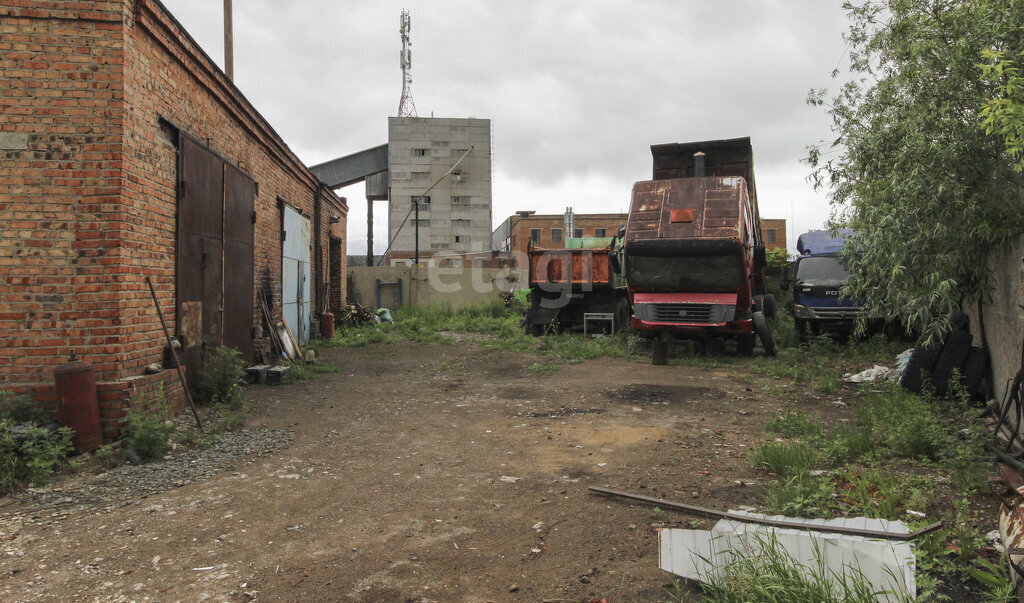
{"x":576,"y":91}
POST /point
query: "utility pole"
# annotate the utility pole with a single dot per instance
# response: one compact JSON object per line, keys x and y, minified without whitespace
{"x":229,"y":53}
{"x":416,"y":224}
{"x":369,"y":232}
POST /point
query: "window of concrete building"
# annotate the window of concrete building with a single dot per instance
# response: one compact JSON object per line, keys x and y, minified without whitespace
{"x":600,"y":232}
{"x":458,"y":152}
{"x":457,"y":176}
{"x":578,"y":233}
{"x":421,"y":222}
{"x":424,"y":201}
{"x":420,"y":175}
{"x":556,"y":235}
{"x":461,"y":238}
{"x":535,"y":235}
{"x":460,"y":200}
{"x":420,"y":152}
{"x":461,"y":223}
{"x":769,"y":235}
{"x":479,"y":263}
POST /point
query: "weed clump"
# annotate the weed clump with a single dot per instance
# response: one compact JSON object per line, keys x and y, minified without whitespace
{"x":31,"y":447}
{"x":223,"y":370}
{"x":148,"y":431}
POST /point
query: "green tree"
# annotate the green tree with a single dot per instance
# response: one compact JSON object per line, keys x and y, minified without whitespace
{"x":928,"y":191}
{"x":1003,"y":113}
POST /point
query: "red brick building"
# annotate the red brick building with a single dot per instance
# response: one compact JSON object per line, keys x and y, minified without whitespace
{"x":774,"y":233}
{"x":124,"y":153}
{"x":514,"y":234}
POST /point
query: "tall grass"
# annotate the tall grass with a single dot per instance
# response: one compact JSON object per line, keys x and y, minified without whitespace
{"x":770,"y":574}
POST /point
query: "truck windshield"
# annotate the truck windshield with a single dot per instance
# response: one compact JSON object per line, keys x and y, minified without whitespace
{"x":821,"y":269}
{"x":715,"y":271}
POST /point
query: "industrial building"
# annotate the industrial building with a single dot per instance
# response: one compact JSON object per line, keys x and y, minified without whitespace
{"x":513,"y":236}
{"x":453,"y":197}
{"x":126,"y":155}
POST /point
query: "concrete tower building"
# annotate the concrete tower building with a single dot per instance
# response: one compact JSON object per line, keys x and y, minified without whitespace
{"x":455,"y":215}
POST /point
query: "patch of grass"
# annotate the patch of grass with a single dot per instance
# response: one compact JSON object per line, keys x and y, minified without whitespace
{"x":769,"y":573}
{"x":542,"y":369}
{"x":801,"y":495}
{"x":875,"y":492}
{"x":794,"y":425}
{"x":785,"y":459}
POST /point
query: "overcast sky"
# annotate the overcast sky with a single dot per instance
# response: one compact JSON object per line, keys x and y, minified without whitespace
{"x":576,"y":91}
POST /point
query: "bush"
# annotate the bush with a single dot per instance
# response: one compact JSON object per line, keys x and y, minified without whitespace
{"x":108,"y":456}
{"x":20,"y":409}
{"x":148,"y":431}
{"x":30,"y":454}
{"x":218,"y":385}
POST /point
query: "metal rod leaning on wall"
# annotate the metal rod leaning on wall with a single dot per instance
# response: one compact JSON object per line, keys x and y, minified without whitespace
{"x":174,"y":353}
{"x":778,"y":523}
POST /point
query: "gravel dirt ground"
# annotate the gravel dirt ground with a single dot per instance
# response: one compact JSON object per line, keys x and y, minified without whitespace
{"x":441,"y":472}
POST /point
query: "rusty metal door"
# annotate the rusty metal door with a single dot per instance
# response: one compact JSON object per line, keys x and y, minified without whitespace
{"x":215,"y":258}
{"x":239,"y":194}
{"x":200,"y":232}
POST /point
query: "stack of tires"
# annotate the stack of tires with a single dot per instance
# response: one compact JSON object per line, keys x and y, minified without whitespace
{"x":936,"y":362}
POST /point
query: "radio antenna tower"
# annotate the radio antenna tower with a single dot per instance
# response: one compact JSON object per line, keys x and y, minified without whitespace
{"x":406,"y":108}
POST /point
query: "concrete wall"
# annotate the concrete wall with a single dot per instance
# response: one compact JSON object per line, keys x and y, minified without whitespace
{"x":420,"y":151}
{"x":1003,"y":315}
{"x":423,"y":286}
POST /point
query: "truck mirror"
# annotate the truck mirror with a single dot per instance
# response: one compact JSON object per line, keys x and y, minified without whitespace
{"x":613,"y":259}
{"x":784,"y":278}
{"x":760,"y":257}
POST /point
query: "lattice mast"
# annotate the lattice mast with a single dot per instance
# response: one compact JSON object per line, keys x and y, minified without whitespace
{"x":406,"y":108}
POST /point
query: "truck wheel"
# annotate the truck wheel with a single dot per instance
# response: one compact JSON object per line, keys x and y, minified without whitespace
{"x":959,"y":321}
{"x":623,"y":316}
{"x":659,"y":352}
{"x":953,"y":355}
{"x":769,"y":306}
{"x":745,"y":345}
{"x":801,"y":329}
{"x":922,"y":361}
{"x":764,"y":333}
{"x":975,"y":369}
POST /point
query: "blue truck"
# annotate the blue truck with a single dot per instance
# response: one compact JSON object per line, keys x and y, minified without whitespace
{"x":817,"y":281}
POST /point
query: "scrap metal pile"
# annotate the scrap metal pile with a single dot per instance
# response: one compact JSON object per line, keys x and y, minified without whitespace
{"x":354,"y":314}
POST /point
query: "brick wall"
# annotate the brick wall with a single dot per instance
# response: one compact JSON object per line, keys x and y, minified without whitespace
{"x":61,"y":167}
{"x":520,"y":229}
{"x":95,"y":94}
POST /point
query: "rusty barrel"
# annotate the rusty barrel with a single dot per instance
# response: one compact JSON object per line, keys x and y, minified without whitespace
{"x":77,"y":406}
{"x":326,"y":325}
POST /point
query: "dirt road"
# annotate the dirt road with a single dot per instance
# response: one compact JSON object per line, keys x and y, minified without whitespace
{"x":425,"y":473}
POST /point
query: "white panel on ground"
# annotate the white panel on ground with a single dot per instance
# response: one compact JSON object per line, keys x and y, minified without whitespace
{"x":296,"y":301}
{"x":888,"y":565}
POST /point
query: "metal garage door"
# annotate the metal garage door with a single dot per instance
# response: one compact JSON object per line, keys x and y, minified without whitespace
{"x":215,"y":255}
{"x":296,"y":301}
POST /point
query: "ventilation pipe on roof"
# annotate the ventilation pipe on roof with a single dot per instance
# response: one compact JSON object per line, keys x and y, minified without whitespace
{"x":698,"y":164}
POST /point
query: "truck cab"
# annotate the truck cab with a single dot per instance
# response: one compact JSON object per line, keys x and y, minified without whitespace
{"x":818,"y":276}
{"x":692,"y":254}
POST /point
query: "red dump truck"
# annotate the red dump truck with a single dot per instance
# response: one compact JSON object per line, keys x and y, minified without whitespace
{"x":571,"y":286}
{"x":692,"y":254}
